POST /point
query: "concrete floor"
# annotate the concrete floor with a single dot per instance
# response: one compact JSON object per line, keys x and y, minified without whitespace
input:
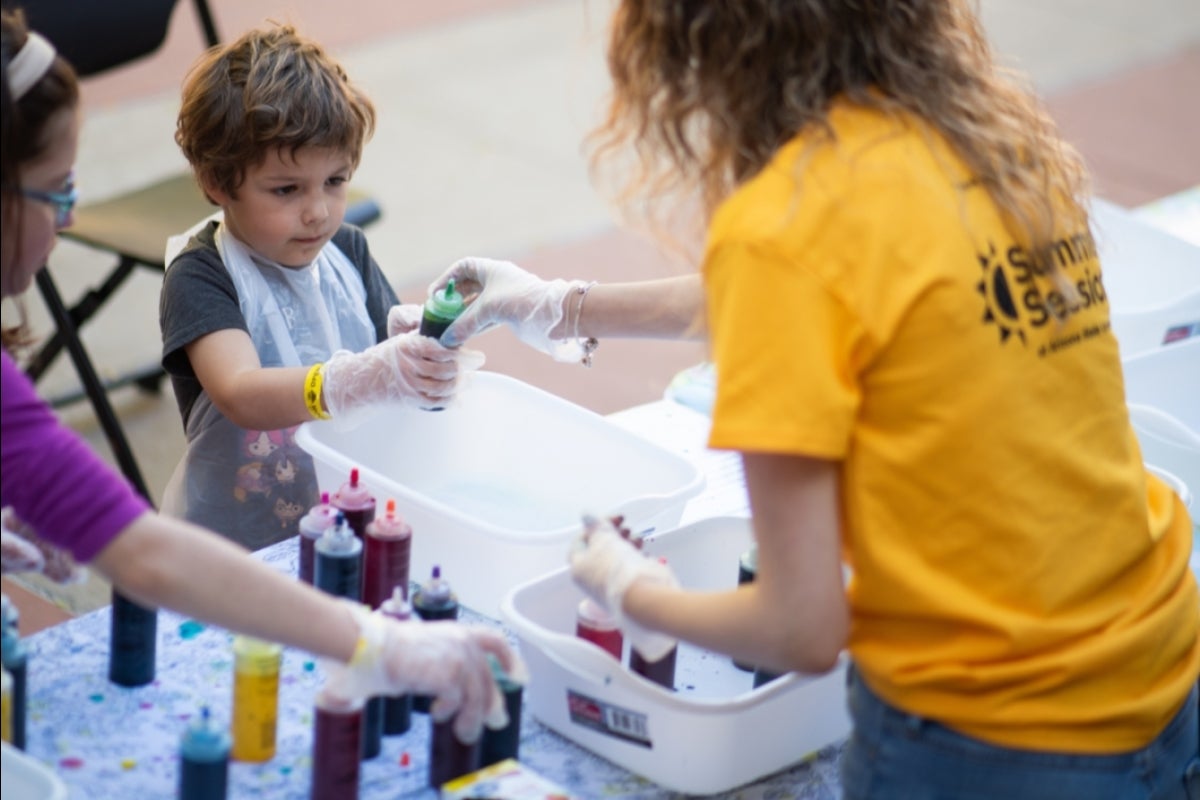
{"x":483,"y":108}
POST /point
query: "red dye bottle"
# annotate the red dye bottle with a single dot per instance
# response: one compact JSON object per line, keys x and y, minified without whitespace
{"x":596,"y":625}
{"x":661,"y":672}
{"x":337,"y":741}
{"x":386,"y":556}
{"x":448,"y":757}
{"x":354,"y":500}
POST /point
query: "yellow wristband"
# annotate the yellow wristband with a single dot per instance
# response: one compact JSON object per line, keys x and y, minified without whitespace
{"x":312,"y":392}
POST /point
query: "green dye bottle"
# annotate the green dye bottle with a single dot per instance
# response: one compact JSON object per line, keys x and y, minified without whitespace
{"x":441,"y":309}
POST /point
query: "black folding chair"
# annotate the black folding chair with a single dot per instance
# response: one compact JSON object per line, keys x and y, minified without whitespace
{"x":133,"y":226}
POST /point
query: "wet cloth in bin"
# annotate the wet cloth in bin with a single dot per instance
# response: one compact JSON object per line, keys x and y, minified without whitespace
{"x":255,"y":485}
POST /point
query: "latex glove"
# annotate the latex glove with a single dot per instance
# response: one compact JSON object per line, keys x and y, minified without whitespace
{"x":411,"y":369}
{"x":22,"y":550}
{"x":403,"y":318}
{"x":604,"y":563}
{"x":506,"y":294}
{"x":445,"y":659}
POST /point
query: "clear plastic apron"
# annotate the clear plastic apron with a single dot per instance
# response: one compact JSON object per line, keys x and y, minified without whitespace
{"x":253,"y":486}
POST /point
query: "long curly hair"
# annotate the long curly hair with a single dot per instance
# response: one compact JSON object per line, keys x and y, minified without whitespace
{"x":706,"y":91}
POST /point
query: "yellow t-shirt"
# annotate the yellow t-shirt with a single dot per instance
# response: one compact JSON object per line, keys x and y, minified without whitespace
{"x":1016,"y":573}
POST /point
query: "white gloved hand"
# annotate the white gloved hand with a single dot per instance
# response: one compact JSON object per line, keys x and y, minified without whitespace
{"x":605,"y":564}
{"x":22,"y":550}
{"x":411,"y":369}
{"x":500,"y":292}
{"x":445,"y":659}
{"x":403,"y":318}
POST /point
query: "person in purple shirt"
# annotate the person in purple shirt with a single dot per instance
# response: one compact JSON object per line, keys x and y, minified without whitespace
{"x":59,"y":489}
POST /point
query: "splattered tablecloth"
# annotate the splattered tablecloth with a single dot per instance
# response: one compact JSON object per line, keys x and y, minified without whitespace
{"x":106,"y":741}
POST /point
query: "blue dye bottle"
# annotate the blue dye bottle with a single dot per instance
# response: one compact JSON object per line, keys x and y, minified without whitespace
{"x":338,"y":567}
{"x":133,"y":639}
{"x":497,"y":745}
{"x":16,"y":660}
{"x":204,"y":761}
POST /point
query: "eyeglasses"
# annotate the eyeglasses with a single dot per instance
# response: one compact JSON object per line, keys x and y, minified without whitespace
{"x":63,"y":201}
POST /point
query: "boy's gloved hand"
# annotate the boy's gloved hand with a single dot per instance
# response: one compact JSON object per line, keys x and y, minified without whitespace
{"x":22,"y":550}
{"x":445,"y":659}
{"x":403,"y":318}
{"x":507,"y":294}
{"x":409,"y":368}
{"x":604,"y":563}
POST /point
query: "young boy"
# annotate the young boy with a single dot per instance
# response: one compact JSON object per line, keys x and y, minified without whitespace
{"x":278,"y":313}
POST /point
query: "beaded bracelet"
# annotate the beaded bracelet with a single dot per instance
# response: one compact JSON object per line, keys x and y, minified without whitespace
{"x":312,"y":392}
{"x":589,"y":344}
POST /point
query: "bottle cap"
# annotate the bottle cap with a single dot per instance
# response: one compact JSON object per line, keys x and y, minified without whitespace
{"x":339,"y":537}
{"x":9,"y":613}
{"x":204,"y":741}
{"x":446,"y":304}
{"x":248,"y":647}
{"x":318,"y":518}
{"x":436,"y":590}
{"x":391,"y":525}
{"x":397,"y":606}
{"x":502,"y":678}
{"x":353,"y":495}
{"x":594,"y":615}
{"x":749,"y":560}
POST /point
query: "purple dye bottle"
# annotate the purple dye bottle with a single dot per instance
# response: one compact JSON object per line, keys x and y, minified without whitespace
{"x":312,"y":525}
{"x":434,"y":600}
{"x":397,"y":710}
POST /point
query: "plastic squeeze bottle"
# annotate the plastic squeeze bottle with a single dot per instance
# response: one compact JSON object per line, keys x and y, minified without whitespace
{"x":204,"y":761}
{"x":442,"y":308}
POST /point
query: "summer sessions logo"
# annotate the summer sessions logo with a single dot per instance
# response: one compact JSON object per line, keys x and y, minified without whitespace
{"x":1019,"y":305}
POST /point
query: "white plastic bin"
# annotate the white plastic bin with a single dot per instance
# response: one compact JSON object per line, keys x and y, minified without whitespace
{"x":494,"y":485}
{"x":715,"y":731}
{"x":25,"y":778}
{"x":1167,"y":378}
{"x":1151,"y":277}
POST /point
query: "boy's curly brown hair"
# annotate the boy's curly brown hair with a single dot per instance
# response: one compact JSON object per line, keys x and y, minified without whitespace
{"x":272,"y":88}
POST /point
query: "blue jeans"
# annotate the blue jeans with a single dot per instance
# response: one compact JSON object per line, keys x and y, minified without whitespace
{"x":893,"y":755}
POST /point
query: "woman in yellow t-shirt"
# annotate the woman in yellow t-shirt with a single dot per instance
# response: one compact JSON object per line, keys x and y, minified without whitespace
{"x":911,"y":336}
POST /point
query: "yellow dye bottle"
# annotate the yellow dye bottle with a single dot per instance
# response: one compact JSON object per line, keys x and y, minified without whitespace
{"x":255,"y":698}
{"x":6,"y":708}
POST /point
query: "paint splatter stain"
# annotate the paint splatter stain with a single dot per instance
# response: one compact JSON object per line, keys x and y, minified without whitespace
{"x":70,"y":762}
{"x":405,"y":759}
{"x":128,"y":763}
{"x":309,"y":666}
{"x":285,"y":770}
{"x":190,"y":629}
{"x":96,"y":698}
{"x":145,"y":704}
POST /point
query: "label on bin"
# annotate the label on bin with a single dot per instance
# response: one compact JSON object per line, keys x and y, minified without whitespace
{"x":608,"y":719}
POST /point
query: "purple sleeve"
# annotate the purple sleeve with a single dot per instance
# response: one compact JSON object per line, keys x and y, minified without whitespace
{"x":51,"y":477}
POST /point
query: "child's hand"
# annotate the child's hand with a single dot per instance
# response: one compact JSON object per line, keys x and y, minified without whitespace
{"x":410,"y":369}
{"x":22,"y":550}
{"x":403,"y":318}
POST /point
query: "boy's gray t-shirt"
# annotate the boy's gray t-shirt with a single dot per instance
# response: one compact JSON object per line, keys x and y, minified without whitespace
{"x":259,"y":501}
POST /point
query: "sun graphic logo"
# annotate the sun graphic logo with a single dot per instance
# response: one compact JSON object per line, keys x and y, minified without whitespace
{"x":999,"y":307}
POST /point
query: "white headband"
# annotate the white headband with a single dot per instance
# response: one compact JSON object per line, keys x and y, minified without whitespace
{"x":30,"y":64}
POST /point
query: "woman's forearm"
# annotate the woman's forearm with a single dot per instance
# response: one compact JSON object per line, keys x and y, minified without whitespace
{"x":160,"y":561}
{"x":668,"y":308}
